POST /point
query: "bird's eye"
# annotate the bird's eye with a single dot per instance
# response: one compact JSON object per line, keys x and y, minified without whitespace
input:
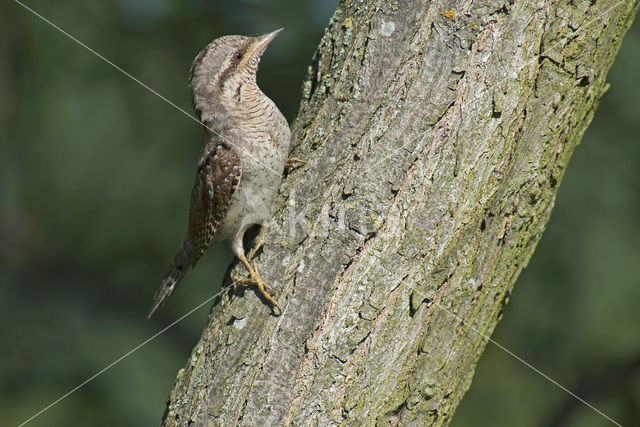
{"x":238,"y":55}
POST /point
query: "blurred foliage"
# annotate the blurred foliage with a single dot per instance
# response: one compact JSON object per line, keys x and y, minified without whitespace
{"x":95,"y":175}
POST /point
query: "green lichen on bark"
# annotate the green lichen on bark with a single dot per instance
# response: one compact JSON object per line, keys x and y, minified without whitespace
{"x":434,"y":148}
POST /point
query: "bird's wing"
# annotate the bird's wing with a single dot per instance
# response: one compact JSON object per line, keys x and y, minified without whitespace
{"x":217,"y":178}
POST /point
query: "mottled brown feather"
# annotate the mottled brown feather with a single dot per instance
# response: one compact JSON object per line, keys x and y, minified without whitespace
{"x":216,"y":181}
{"x":218,"y":176}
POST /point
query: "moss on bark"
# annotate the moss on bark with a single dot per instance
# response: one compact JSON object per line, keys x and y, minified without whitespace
{"x":435,"y":143}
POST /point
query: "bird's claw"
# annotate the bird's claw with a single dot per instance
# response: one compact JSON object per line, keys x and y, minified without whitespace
{"x":264,"y":289}
{"x":293,"y":163}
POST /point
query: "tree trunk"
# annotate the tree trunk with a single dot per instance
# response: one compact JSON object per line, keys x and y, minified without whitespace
{"x":435,"y":140}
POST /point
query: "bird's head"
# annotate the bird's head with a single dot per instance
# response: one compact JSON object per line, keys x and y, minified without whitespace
{"x":226,"y":64}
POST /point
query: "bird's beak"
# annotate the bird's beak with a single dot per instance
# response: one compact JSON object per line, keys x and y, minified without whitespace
{"x":263,"y":41}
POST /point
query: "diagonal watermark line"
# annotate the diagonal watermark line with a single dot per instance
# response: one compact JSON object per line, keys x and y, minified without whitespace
{"x":487,"y":337}
{"x":198,"y":122}
{"x":124,"y":356}
{"x":165,"y":99}
{"x":127,"y":354}
{"x":521,"y":360}
{"x":227,"y":287}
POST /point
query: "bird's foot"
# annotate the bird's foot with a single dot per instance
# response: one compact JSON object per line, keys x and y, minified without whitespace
{"x":293,"y":163}
{"x":250,"y":281}
{"x":255,"y":279}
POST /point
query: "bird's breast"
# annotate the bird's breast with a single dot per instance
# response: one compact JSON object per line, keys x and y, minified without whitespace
{"x":262,"y":145}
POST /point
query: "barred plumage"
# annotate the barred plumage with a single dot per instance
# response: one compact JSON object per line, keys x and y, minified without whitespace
{"x":246,"y":146}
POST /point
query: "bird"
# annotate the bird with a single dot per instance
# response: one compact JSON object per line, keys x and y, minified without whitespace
{"x":246,"y":144}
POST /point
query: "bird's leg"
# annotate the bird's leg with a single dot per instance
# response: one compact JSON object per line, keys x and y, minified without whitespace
{"x":257,"y":242}
{"x":255,"y":279}
{"x":293,"y":163}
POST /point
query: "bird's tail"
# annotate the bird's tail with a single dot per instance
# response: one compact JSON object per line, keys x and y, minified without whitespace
{"x":169,"y":283}
{"x":180,"y":265}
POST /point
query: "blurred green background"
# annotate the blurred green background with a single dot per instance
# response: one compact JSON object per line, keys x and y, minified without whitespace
{"x":95,"y":175}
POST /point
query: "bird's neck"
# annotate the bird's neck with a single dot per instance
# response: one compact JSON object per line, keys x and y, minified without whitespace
{"x":251,"y":103}
{"x":237,"y":104}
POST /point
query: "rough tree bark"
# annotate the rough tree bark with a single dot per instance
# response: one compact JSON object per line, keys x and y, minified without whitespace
{"x":435,"y":134}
